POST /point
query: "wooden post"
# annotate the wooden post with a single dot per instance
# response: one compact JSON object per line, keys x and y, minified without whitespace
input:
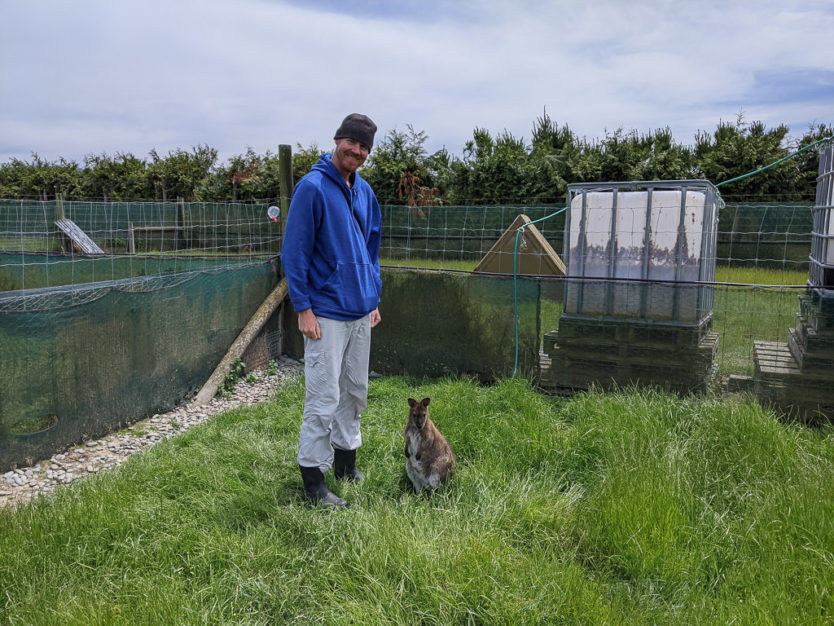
{"x":66,"y":246}
{"x":250,"y":331}
{"x":179,"y":242}
{"x":131,"y":242}
{"x":285,"y":181}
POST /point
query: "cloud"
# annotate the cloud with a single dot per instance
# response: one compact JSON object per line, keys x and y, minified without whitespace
{"x":108,"y":76}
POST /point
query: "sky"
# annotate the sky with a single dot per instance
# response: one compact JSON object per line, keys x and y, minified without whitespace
{"x":93,"y":77}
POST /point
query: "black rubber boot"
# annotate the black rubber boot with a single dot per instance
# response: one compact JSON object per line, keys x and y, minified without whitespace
{"x":344,"y":465}
{"x":316,"y":492}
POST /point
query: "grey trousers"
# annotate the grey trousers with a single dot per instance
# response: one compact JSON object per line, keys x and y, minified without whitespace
{"x":336,"y":377}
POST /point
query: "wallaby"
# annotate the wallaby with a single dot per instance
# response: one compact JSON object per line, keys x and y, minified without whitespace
{"x":429,"y":459}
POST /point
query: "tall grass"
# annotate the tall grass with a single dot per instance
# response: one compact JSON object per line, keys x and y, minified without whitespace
{"x":627,"y":507}
{"x":752,"y":275}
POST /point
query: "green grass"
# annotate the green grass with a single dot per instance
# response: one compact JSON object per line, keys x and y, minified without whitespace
{"x":742,"y":315}
{"x":435,"y":264}
{"x":618,"y":508}
{"x":759,"y":276}
{"x":723,"y":274}
{"x":29,"y":244}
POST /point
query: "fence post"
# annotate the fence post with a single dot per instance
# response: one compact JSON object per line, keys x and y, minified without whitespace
{"x":59,"y":206}
{"x":285,"y":181}
{"x":179,"y":224}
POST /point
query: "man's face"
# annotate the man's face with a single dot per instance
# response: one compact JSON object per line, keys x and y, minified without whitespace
{"x":349,"y":155}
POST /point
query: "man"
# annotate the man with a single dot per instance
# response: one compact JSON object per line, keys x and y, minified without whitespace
{"x":330,"y":257}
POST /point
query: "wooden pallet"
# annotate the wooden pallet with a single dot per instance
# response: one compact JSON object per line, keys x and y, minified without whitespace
{"x":587,"y":359}
{"x":811,"y":353}
{"x":775,"y":359}
{"x":780,"y":381}
{"x":607,"y":332}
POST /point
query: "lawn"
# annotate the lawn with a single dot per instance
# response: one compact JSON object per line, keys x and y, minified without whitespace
{"x":631,"y":507}
{"x":723,"y":274}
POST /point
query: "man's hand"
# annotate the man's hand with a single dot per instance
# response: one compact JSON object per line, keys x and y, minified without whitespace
{"x":308,"y":324}
{"x":376,"y":318}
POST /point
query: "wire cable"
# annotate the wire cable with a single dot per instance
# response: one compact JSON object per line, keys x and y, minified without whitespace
{"x":762,"y":169}
{"x":518,"y":234}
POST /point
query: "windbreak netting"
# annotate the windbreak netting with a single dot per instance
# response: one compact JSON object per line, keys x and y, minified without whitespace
{"x":452,"y":323}
{"x":744,"y":314}
{"x":89,"y":341}
{"x":77,"y":363}
{"x":761,"y":261}
{"x":110,"y":312}
{"x":449,"y":323}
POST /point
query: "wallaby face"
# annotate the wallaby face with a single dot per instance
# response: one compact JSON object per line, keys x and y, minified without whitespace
{"x":419,"y":412}
{"x":429,"y":459}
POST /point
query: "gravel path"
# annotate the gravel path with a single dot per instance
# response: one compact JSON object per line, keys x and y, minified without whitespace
{"x":92,"y":457}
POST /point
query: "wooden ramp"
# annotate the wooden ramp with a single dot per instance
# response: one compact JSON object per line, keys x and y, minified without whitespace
{"x":535,"y":255}
{"x":78,"y":239}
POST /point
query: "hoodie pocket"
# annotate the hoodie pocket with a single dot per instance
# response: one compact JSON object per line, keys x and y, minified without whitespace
{"x":352,"y":288}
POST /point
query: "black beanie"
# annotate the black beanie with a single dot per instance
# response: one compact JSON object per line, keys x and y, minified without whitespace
{"x":359,"y":127}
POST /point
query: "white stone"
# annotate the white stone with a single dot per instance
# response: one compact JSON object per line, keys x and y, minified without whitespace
{"x":110,"y":451}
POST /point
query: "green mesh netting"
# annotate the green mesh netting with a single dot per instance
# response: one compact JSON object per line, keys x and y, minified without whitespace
{"x":79,"y":362}
{"x":28,"y":270}
{"x":437,"y":323}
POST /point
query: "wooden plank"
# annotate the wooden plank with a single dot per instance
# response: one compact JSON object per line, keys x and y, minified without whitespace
{"x":774,"y":360}
{"x":78,"y":237}
{"x":252,"y":328}
{"x":627,"y":331}
{"x":156,"y":228}
{"x":568,"y":370}
{"x":75,"y":240}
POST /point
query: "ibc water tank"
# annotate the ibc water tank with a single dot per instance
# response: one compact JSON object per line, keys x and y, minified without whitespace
{"x":640,"y":249}
{"x":822,"y":238}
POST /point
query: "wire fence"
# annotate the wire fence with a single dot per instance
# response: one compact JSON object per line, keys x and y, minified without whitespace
{"x":67,"y":244}
{"x":775,"y":235}
{"x":113,"y":311}
{"x":762,"y":252}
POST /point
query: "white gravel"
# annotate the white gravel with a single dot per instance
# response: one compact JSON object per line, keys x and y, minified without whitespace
{"x":92,"y":457}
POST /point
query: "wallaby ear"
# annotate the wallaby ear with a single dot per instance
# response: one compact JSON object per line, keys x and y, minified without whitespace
{"x":425,"y":401}
{"x":412,"y":402}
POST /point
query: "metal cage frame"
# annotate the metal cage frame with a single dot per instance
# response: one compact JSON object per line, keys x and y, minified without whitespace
{"x":576,"y":278}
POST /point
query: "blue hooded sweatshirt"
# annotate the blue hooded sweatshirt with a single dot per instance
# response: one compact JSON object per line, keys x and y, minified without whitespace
{"x":330,"y":253}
